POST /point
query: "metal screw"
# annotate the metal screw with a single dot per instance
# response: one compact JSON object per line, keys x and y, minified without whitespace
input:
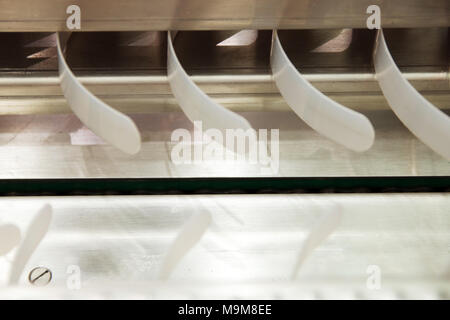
{"x":40,"y":276}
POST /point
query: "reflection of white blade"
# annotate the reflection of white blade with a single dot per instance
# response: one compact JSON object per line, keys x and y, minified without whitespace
{"x":428,"y":123}
{"x":336,"y":122}
{"x":241,"y":38}
{"x":191,"y":233}
{"x":35,"y":233}
{"x":195,"y":103}
{"x":321,"y":231}
{"x":111,"y":125}
{"x":9,"y":238}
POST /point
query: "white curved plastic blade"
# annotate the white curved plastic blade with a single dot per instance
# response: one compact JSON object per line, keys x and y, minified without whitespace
{"x":327,"y":224}
{"x":188,"y":237}
{"x":9,"y":238}
{"x":425,"y":121}
{"x":194,"y":102}
{"x":34,"y":235}
{"x":111,"y":125}
{"x":332,"y":120}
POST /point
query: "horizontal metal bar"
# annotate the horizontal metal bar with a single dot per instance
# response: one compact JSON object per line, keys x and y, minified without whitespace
{"x":103,"y":15}
{"x":363,"y":81}
{"x":32,"y":187}
{"x":144,"y":94}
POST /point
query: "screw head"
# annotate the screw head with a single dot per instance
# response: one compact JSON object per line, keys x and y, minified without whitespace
{"x":40,"y":276}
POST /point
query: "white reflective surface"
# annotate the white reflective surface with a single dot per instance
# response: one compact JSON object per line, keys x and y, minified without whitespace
{"x":249,"y":250}
{"x":36,"y":231}
{"x":49,"y":146}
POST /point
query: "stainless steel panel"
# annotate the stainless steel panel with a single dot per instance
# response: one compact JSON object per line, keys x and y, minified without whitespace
{"x":204,"y":53}
{"x":247,"y":252}
{"x":102,"y":15}
{"x":59,"y":146}
{"x":147,"y":94}
{"x":40,"y":138}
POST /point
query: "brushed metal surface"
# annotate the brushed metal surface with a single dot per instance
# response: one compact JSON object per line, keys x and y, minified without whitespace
{"x":22,"y":94}
{"x":102,"y":15}
{"x":59,"y":146}
{"x":248,"y":251}
{"x":334,"y":50}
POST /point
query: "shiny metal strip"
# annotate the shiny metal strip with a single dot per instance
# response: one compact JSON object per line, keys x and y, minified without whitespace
{"x":103,"y":15}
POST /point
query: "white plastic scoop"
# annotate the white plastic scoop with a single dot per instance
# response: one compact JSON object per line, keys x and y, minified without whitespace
{"x":329,"y":118}
{"x":327,"y":224}
{"x":111,"y":125}
{"x":188,"y":237}
{"x":425,"y":121}
{"x":194,"y":102}
{"x":33,"y":236}
{"x":9,"y":238}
